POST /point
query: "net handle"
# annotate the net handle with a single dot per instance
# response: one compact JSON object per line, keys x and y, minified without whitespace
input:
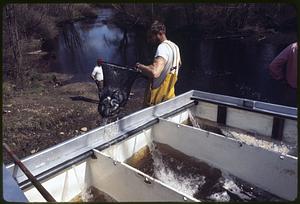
{"x":128,"y":68}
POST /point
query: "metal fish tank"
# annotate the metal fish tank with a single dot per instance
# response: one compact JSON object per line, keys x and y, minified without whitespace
{"x":195,"y":147}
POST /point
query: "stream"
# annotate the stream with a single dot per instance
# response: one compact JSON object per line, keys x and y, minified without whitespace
{"x":228,"y":66}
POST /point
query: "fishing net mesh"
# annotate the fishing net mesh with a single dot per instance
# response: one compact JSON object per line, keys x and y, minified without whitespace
{"x":118,"y":81}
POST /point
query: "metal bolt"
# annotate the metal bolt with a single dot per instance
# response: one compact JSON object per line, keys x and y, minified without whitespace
{"x":93,"y":156}
{"x":147,"y":181}
{"x":207,"y":134}
{"x":281,"y":157}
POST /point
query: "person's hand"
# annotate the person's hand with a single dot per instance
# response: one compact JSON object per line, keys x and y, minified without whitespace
{"x":138,"y":66}
{"x":92,"y":77}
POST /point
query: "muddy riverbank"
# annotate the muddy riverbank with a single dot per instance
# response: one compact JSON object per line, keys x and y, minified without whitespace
{"x":54,"y":111}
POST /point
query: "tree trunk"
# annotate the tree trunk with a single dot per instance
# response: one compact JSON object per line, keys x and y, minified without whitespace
{"x":13,"y":32}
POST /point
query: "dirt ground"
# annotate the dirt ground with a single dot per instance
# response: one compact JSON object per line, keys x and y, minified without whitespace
{"x":52,"y":111}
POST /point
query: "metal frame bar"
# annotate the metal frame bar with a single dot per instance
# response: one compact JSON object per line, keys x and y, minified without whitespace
{"x":44,"y":175}
{"x":58,"y":157}
{"x":48,"y":173}
{"x":246,"y":104}
{"x":48,"y":197}
{"x":11,"y":190}
{"x":61,"y":153}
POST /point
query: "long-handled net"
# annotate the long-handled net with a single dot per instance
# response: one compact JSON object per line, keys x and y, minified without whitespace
{"x":118,"y":81}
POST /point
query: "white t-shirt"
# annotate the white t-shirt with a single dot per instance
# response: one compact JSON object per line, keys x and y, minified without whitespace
{"x":170,"y":52}
{"x":97,"y":73}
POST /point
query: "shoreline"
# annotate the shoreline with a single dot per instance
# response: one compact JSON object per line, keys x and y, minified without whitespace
{"x":52,"y":112}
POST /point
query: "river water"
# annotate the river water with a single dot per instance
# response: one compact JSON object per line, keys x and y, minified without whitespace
{"x":230,"y":66}
{"x":195,"y":177}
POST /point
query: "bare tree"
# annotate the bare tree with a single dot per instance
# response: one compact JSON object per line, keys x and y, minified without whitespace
{"x":14,"y":42}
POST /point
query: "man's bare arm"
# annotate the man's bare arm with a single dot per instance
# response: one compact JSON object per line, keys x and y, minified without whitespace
{"x":153,"y":70}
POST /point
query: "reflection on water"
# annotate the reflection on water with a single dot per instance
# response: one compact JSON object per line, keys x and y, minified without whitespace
{"x":194,"y":177}
{"x":230,"y":66}
{"x":234,"y":67}
{"x":83,"y":42}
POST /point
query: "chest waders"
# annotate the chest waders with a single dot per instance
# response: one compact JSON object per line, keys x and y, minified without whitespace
{"x":166,"y":90}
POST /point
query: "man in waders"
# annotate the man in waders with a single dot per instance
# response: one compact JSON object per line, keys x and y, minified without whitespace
{"x":163,"y":72}
{"x":97,"y":75}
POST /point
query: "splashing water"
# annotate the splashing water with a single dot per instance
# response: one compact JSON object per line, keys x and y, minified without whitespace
{"x":220,"y":197}
{"x":232,"y":187}
{"x":196,"y":178}
{"x":193,"y":120}
{"x":110,"y":131}
{"x":188,"y":185}
{"x":105,"y":121}
{"x":86,"y":193}
{"x":163,"y":172}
